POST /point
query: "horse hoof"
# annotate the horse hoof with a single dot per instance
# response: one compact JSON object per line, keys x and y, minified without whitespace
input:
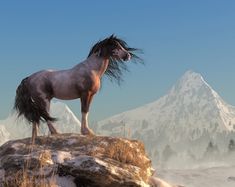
{"x":54,"y":133}
{"x":87,"y":132}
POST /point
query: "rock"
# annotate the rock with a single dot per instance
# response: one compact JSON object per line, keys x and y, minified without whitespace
{"x":74,"y":160}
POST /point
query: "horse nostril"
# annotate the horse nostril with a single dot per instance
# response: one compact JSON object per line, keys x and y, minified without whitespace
{"x":127,"y":57}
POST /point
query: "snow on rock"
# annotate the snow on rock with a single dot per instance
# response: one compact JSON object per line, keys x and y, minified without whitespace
{"x":76,"y":160}
{"x":61,"y":181}
{"x":60,"y":156}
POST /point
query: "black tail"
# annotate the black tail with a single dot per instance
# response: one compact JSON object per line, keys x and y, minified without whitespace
{"x":31,"y":106}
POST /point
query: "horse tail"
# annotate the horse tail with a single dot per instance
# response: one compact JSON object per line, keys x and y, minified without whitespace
{"x":32,"y":107}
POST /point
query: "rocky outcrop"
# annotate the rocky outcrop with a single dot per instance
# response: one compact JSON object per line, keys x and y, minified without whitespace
{"x":74,"y":160}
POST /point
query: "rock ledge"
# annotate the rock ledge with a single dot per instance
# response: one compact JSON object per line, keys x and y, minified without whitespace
{"x":74,"y":160}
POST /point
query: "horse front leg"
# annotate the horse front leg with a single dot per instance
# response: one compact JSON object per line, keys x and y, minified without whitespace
{"x":85,"y":104}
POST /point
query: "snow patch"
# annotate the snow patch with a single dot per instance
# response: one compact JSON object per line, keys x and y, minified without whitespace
{"x":17,"y":146}
{"x":71,"y":141}
{"x":216,"y":176}
{"x":65,"y":181}
{"x":60,"y":156}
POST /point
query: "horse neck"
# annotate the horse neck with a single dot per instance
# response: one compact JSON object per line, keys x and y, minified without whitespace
{"x":98,"y":64}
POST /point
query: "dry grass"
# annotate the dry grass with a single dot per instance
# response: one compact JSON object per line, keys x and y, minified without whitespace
{"x":26,"y":177}
{"x":23,"y":179}
{"x":122,"y":152}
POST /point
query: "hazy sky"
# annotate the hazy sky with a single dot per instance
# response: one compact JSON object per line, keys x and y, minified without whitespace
{"x":175,"y":36}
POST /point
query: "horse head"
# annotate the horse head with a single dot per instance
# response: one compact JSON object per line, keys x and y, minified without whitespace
{"x":118,"y":52}
{"x":117,"y":49}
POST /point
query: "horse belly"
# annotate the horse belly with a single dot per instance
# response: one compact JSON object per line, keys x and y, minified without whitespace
{"x":66,"y":94}
{"x":66,"y":97}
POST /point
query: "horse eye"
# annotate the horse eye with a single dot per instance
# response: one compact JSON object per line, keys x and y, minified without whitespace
{"x":115,"y":47}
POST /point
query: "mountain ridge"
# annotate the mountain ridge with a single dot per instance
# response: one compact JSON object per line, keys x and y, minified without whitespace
{"x":14,"y":128}
{"x":191,"y":106}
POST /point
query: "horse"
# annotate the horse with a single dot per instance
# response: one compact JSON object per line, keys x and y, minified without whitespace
{"x":33,"y":95}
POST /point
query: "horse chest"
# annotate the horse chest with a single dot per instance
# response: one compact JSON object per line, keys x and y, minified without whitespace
{"x":88,"y":86}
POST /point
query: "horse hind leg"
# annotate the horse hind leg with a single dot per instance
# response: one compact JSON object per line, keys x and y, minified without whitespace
{"x":51,"y":127}
{"x":34,"y":132}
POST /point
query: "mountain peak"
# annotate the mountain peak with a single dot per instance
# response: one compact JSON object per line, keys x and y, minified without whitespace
{"x":192,"y":75}
{"x":191,"y":81}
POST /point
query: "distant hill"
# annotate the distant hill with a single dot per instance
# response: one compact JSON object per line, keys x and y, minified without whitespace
{"x":13,"y":128}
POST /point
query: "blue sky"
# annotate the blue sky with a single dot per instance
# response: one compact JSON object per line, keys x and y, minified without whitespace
{"x":175,"y":36}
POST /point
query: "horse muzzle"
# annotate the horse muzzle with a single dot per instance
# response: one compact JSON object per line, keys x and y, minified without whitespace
{"x":127,"y":57}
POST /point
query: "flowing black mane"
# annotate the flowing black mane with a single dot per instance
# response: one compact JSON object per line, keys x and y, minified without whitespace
{"x":116,"y":67}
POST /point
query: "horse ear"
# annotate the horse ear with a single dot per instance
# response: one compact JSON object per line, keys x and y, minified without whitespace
{"x":99,"y":52}
{"x":112,"y":36}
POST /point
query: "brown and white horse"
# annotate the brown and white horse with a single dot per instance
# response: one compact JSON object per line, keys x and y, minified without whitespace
{"x":35,"y":92}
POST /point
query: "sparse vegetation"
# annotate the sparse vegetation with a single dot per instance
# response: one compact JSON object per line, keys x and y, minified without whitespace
{"x":25,"y":177}
{"x":231,"y":146}
{"x":211,"y":150}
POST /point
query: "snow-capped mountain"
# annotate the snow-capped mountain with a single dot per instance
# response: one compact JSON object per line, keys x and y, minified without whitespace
{"x":67,"y":122}
{"x":188,"y":111}
{"x":14,"y":128}
{"x":4,"y":134}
